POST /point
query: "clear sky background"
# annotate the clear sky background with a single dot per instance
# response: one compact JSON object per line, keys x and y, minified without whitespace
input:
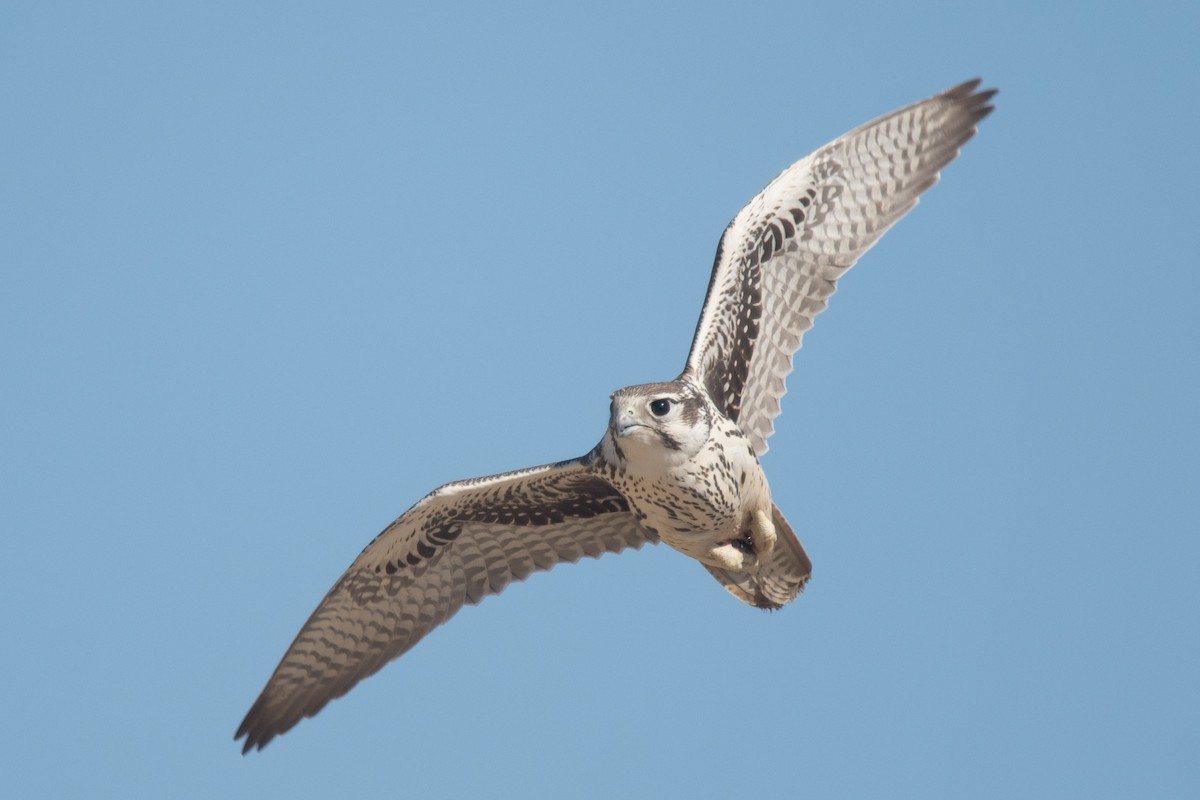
{"x":271,"y":272}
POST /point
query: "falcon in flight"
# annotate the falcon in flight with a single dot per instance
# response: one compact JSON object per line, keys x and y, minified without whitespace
{"x":679,"y":461}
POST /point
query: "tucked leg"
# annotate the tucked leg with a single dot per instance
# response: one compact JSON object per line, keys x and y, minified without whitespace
{"x":744,"y":556}
{"x":762,"y":532}
{"x":728,"y":556}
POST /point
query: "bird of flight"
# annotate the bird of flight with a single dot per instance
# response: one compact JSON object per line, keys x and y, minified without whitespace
{"x":679,"y":460}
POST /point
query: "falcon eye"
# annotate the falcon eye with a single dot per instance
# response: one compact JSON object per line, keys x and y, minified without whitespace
{"x":659,"y":408}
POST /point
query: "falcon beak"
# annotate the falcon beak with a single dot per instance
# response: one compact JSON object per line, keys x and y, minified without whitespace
{"x":624,"y":420}
{"x":625,"y":425}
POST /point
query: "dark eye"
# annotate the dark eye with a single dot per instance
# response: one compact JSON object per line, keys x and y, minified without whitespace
{"x":659,"y":408}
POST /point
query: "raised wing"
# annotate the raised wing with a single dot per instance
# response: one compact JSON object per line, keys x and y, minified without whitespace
{"x":781,"y":257}
{"x":461,"y":543}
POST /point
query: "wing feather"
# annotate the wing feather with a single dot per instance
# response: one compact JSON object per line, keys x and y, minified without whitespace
{"x":780,"y":258}
{"x":460,"y":544}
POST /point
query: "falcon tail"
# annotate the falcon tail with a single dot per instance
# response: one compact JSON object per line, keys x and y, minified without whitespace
{"x":779,"y":578}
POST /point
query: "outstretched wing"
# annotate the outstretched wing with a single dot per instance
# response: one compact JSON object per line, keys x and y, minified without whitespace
{"x":461,"y":543}
{"x":781,"y":256}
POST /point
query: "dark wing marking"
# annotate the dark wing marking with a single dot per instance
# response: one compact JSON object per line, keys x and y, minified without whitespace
{"x":460,"y":544}
{"x":780,"y":259}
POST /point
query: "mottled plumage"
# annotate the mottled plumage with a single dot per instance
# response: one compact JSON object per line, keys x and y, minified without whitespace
{"x":679,"y":460}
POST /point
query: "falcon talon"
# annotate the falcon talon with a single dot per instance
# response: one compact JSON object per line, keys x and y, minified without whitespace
{"x":744,"y":543}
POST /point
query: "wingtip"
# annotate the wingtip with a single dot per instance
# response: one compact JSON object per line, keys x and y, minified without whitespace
{"x":253,"y":742}
{"x":247,"y":745}
{"x":256,"y":738}
{"x":978,"y":102}
{"x":967,"y":89}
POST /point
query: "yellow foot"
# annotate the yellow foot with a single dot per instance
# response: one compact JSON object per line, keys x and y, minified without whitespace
{"x":744,"y":556}
{"x":729,"y":557}
{"x":762,"y":533}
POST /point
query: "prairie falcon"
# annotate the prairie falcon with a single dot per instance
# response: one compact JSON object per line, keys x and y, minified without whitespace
{"x":679,"y":460}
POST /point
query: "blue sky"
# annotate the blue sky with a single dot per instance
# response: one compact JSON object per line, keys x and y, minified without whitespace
{"x":269,"y":274}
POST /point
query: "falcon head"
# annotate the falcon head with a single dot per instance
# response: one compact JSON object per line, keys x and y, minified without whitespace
{"x":658,"y":423}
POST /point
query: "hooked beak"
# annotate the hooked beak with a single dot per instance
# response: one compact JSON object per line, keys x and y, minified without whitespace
{"x":626,"y":424}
